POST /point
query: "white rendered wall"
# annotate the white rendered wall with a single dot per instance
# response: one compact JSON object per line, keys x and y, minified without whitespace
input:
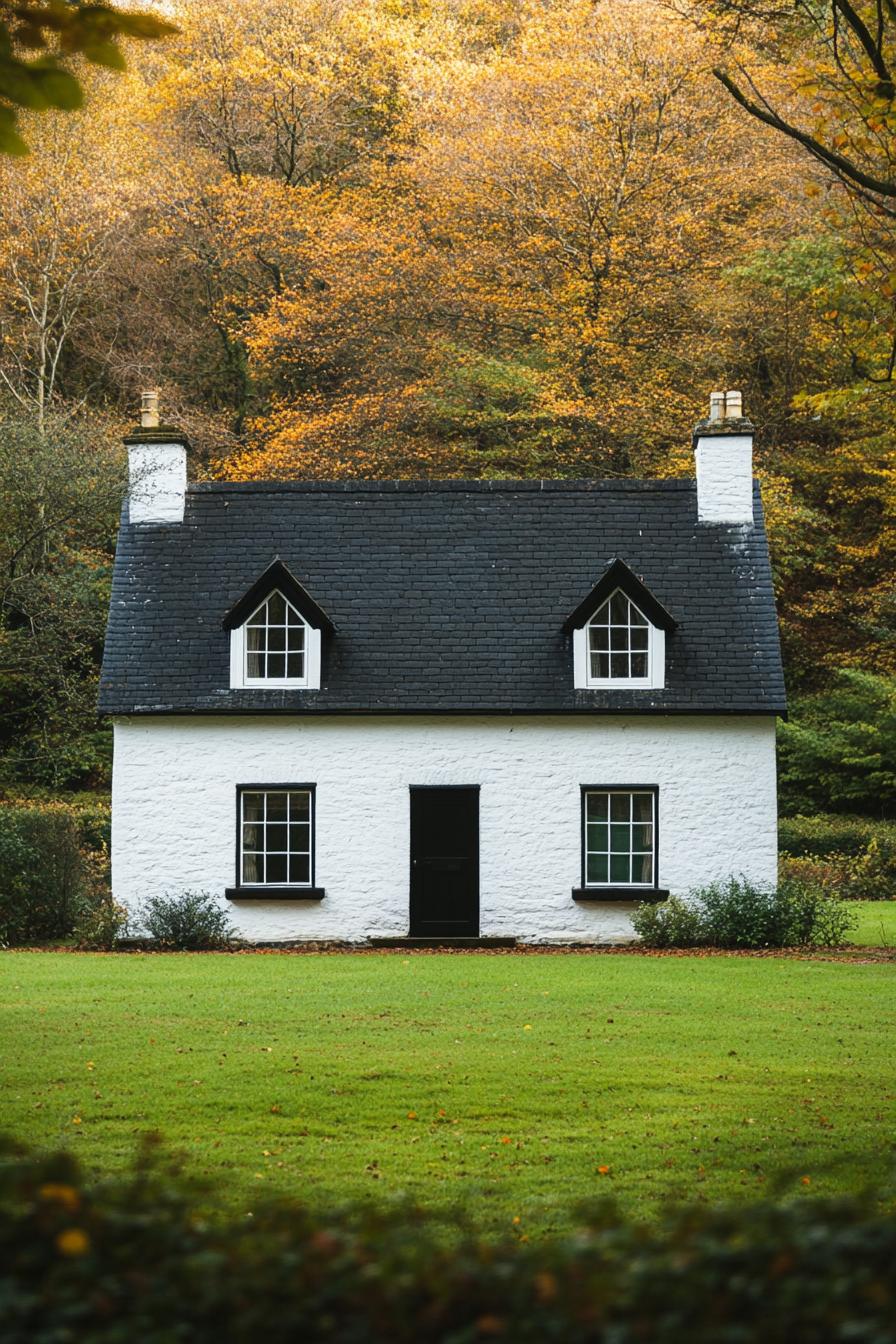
{"x":174,"y":811}
{"x":157,"y":482}
{"x":725,"y":478}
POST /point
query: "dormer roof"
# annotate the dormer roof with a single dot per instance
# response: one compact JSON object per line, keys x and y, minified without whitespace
{"x":619,"y":577}
{"x":277,"y":578}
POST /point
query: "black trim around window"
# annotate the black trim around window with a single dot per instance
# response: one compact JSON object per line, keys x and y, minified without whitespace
{"x":281,"y":891}
{"x":617,"y":891}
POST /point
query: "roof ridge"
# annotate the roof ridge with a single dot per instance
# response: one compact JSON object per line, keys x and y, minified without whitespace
{"x":597,"y":485}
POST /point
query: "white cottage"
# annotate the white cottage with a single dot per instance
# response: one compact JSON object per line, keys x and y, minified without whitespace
{"x":442,"y":710}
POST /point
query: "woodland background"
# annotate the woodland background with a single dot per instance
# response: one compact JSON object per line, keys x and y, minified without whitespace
{"x":429,"y":238}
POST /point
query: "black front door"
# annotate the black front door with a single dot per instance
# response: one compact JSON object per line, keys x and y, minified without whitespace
{"x":444,"y":863}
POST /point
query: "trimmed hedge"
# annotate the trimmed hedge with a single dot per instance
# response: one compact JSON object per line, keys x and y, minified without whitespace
{"x":43,"y":877}
{"x":826,"y":836}
{"x":131,"y":1260}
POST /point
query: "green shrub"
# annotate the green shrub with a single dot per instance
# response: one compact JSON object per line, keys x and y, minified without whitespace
{"x":671,"y":923}
{"x":873,"y":877}
{"x":739,"y":913}
{"x":131,"y":1259}
{"x":101,"y":924}
{"x":188,"y":921}
{"x":43,"y":879}
{"x":828,"y":836}
{"x":833,"y":874}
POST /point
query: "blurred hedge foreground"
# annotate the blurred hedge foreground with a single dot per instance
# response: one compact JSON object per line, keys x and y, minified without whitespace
{"x":131,"y":1260}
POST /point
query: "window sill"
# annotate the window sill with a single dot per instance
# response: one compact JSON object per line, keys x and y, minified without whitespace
{"x":651,"y":894}
{"x":274,"y":893}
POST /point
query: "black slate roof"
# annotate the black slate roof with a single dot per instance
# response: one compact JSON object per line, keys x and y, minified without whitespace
{"x":447,"y":597}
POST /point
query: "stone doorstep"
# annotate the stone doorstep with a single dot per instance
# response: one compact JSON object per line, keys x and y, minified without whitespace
{"x":442,"y":942}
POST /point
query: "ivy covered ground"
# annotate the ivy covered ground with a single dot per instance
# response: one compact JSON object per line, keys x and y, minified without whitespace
{"x":515,"y":1085}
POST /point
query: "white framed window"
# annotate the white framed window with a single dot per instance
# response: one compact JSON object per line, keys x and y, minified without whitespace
{"x":619,"y":647}
{"x":275,"y":647}
{"x":276,"y":837}
{"x":619,"y":837}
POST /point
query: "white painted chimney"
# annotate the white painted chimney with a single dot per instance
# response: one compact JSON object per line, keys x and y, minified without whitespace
{"x":157,"y":467}
{"x":723,"y":447}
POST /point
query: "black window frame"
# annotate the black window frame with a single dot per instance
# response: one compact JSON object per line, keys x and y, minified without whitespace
{"x":615,"y":891}
{"x":275,"y":891}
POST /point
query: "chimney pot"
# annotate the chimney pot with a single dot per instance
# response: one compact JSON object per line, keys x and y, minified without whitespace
{"x":734,"y":406}
{"x":716,"y":405}
{"x":149,"y":409}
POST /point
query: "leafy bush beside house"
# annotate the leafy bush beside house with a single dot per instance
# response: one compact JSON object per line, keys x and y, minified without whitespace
{"x":743,"y":914}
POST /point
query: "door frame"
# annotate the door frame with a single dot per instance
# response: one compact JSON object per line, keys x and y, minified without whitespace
{"x":469,"y":788}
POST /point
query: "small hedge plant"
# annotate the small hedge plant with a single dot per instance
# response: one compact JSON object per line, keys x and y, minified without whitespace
{"x":739,"y":913}
{"x":186,"y":921}
{"x":824,"y":836}
{"x":43,"y":877}
{"x":131,"y":1259}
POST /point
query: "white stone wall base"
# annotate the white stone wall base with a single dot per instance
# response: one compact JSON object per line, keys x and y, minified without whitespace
{"x":174,"y":811}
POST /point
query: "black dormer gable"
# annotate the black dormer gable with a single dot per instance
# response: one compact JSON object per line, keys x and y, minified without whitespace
{"x":277,"y":578}
{"x":618,"y":577}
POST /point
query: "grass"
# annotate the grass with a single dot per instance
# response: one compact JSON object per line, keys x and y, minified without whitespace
{"x":876,"y":926}
{"x":503,"y":1082}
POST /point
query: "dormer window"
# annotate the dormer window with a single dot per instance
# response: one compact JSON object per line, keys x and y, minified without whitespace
{"x":275,"y":635}
{"x":276,"y":640}
{"x":619,"y":635}
{"x":618,"y":642}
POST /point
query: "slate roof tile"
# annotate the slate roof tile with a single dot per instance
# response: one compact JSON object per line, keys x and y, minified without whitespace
{"x":447,"y":596}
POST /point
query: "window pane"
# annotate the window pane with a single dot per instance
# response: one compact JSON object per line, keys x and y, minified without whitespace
{"x":275,"y":837}
{"x":299,"y":806}
{"x":253,"y":868}
{"x":597,"y":868}
{"x":300,"y":868}
{"x":619,"y":867}
{"x":258,"y":617}
{"x":276,"y":868}
{"x":276,"y":609}
{"x":619,"y":609}
{"x":253,"y":836}
{"x":639,"y":664}
{"x":620,"y":839}
{"x":295,"y":640}
{"x":619,"y":665}
{"x":642,"y":806}
{"x":255,"y":637}
{"x":253,"y":806}
{"x":635,"y":617}
{"x":277,"y":806}
{"x":255,"y":665}
{"x":642,"y":837}
{"x":600,"y":665}
{"x":299,"y":837}
{"x":638,"y":637}
{"x":295,"y":665}
{"x":619,"y":637}
{"x":597,"y":806}
{"x":598,"y":836}
{"x":600,"y":637}
{"x":276,"y":664}
{"x":276,"y":639}
{"x":642,"y":868}
{"x":620,"y":806}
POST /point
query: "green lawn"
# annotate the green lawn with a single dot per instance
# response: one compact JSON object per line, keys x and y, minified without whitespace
{"x":505,"y":1082}
{"x":876,"y":925}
